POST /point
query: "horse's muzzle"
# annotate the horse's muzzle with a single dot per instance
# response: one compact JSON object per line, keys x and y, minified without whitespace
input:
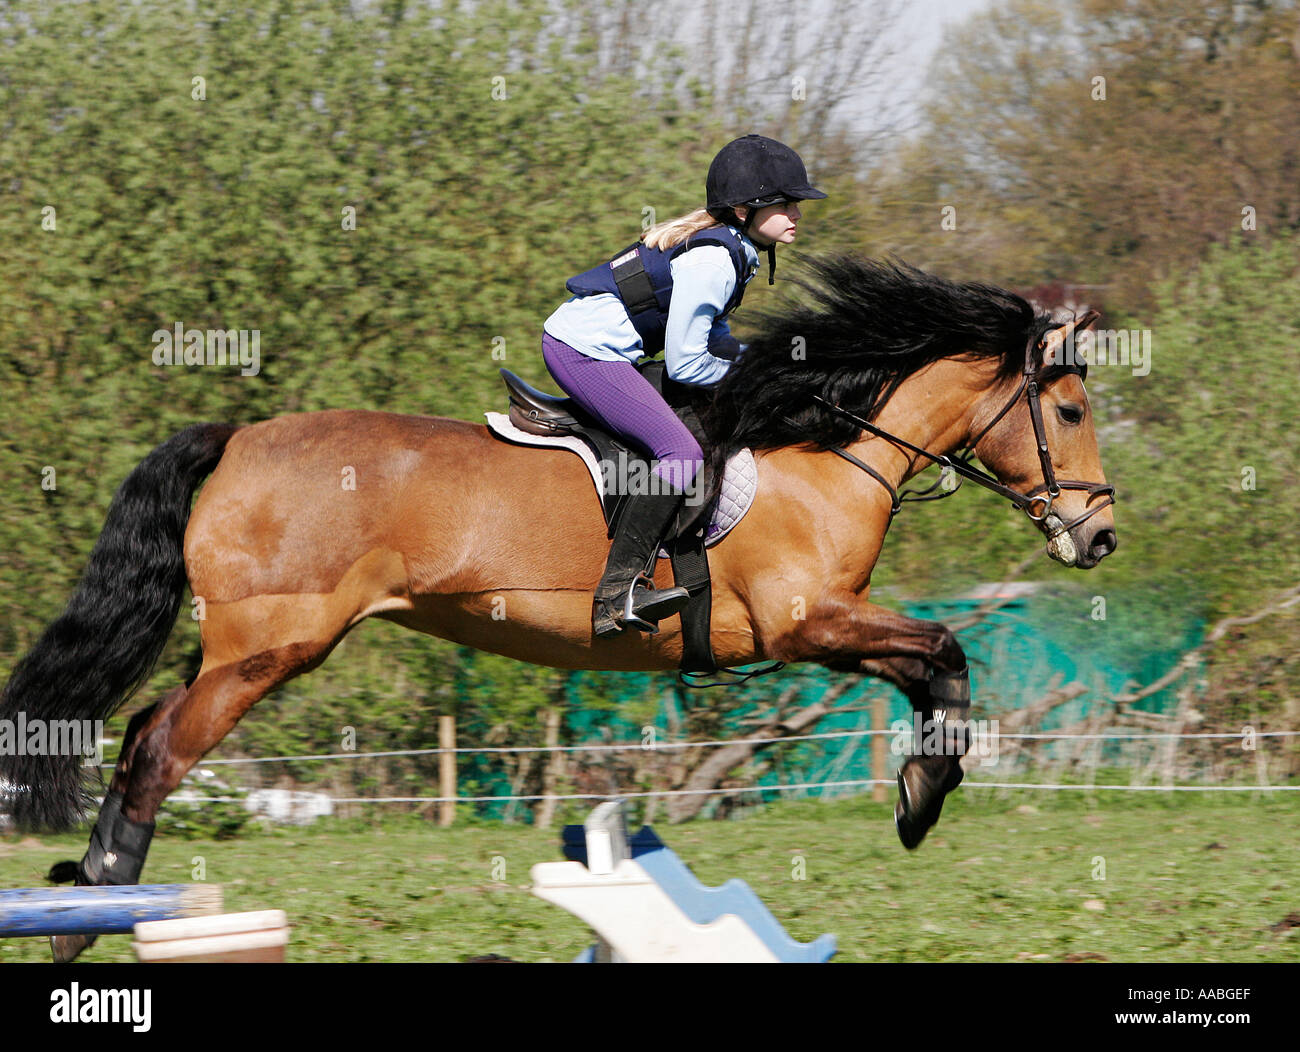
{"x":1080,"y":547}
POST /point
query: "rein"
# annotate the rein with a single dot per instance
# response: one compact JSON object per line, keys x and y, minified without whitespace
{"x":960,"y":464}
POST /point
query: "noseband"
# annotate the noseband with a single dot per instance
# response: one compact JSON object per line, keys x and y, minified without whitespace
{"x":960,"y":464}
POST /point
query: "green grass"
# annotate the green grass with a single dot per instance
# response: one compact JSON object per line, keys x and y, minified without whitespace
{"x":1005,"y":877}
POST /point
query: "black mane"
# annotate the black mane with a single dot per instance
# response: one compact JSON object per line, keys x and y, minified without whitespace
{"x":865,"y":326}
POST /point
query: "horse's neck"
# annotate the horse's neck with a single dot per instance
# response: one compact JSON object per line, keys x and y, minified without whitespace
{"x":933,"y":409}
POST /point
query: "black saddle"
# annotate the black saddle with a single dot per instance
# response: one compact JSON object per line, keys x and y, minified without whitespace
{"x":540,"y":413}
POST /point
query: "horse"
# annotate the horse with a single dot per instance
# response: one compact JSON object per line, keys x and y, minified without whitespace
{"x":310,"y":523}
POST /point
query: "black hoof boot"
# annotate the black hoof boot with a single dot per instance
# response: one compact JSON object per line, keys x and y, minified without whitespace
{"x":923,"y":782}
{"x":116,"y":855}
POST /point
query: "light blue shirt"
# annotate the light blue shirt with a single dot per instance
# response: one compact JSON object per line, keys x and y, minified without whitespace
{"x":703,"y":282}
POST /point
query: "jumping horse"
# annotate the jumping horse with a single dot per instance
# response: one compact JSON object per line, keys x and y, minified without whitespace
{"x":879,"y":371}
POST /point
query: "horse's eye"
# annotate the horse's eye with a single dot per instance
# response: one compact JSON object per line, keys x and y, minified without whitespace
{"x":1069,"y":414}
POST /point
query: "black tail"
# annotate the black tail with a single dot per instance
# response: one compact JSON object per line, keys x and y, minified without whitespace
{"x":105,"y":643}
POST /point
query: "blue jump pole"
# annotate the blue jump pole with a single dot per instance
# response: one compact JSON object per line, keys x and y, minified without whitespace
{"x":106,"y":910}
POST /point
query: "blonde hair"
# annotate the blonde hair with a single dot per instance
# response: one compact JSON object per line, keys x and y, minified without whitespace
{"x":673,"y":232}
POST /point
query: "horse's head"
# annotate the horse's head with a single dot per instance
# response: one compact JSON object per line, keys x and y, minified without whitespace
{"x":1036,"y":434}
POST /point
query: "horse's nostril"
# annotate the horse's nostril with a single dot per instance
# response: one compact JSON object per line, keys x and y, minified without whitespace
{"x":1103,"y":544}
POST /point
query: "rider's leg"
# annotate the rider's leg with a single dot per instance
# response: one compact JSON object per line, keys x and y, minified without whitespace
{"x":626,"y":595}
{"x":624,"y":401}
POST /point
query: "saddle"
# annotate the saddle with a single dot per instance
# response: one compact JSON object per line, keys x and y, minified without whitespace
{"x":539,"y":413}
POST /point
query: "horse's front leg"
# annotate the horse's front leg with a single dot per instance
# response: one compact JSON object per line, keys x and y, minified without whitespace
{"x":941,"y":704}
{"x":925,"y":661}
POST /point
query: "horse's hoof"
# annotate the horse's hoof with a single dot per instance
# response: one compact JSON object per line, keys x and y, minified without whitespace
{"x":64,"y":872}
{"x":921,"y":789}
{"x":67,"y":947}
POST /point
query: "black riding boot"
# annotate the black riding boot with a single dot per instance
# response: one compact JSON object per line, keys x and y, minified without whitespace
{"x":626,"y":594}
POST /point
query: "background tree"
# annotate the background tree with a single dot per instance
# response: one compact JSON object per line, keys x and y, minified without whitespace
{"x":393,"y":196}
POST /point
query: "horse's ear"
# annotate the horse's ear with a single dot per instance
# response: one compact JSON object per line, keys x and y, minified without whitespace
{"x":1054,"y":340}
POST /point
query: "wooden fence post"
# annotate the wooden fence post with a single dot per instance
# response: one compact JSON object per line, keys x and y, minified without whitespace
{"x":879,"y":714}
{"x":447,"y":769}
{"x":552,"y":769}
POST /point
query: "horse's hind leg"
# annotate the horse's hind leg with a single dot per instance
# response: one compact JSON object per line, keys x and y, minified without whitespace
{"x":90,"y":870}
{"x":66,"y":872}
{"x":176,"y":738}
{"x":173,"y":736}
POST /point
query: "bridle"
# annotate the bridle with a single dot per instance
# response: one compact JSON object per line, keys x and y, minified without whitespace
{"x":1046,"y":494}
{"x":960,"y":464}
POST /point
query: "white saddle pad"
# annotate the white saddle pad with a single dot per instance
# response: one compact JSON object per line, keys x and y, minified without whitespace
{"x":739,"y":482}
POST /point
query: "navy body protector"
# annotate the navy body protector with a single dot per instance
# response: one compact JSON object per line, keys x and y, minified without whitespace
{"x":642,"y":278}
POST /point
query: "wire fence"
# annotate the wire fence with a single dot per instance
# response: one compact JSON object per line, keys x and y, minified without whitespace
{"x":1081,"y":754}
{"x":1075,"y":731}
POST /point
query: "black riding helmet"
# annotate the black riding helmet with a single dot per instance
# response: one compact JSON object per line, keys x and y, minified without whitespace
{"x":753,"y":172}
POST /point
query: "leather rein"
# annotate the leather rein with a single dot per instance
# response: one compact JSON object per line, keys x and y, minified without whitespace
{"x":960,"y":464}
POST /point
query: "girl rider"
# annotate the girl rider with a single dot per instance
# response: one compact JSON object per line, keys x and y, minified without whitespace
{"x":671,"y":291}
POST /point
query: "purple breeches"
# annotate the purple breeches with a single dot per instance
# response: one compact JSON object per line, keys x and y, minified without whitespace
{"x":624,"y":401}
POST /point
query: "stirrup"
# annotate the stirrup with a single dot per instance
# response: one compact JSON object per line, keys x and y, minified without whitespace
{"x":610,"y":618}
{"x":671,"y":599}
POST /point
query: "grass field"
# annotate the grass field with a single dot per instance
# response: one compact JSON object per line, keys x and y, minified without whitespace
{"x":1006,"y":877}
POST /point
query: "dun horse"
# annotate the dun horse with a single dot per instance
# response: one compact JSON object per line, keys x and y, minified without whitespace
{"x":882,"y":370}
